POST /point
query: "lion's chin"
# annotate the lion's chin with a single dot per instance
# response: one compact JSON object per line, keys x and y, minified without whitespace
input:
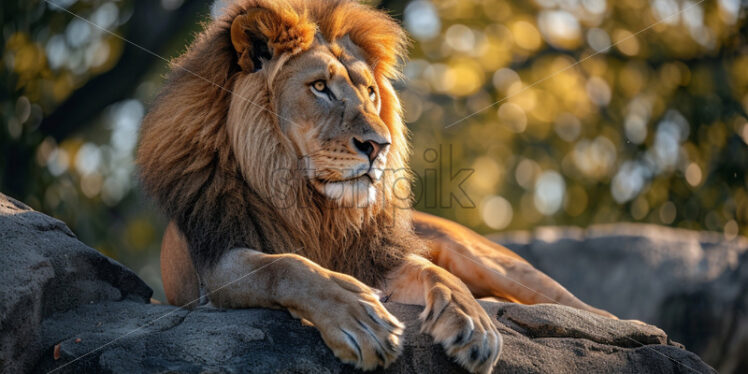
{"x":359,"y":192}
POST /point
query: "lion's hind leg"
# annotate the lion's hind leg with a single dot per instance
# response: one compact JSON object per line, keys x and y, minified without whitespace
{"x":178,"y":275}
{"x":507,"y":278}
{"x":490,"y":270}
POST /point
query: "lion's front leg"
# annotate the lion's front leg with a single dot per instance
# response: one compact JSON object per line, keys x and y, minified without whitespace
{"x":452,"y":316}
{"x":352,"y":321}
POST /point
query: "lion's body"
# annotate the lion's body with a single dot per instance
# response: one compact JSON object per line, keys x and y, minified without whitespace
{"x":488,"y":269}
{"x":278,"y":151}
{"x":204,"y":187}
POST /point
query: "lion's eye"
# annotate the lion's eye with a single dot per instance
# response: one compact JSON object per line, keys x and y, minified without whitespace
{"x":372,"y":94}
{"x":320,"y":86}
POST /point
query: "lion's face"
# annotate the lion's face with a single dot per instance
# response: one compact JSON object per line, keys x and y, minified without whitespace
{"x":329,"y":108}
{"x":326,"y":89}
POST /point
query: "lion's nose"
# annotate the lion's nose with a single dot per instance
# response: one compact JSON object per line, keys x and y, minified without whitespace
{"x":370,"y":148}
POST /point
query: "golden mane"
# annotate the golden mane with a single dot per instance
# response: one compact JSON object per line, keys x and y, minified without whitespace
{"x":223,"y":193}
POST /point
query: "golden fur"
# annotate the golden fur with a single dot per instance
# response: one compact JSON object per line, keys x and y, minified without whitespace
{"x":224,"y":196}
{"x":278,"y":151}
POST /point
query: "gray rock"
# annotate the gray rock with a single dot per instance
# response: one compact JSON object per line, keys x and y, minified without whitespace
{"x":712,"y":318}
{"x":152,"y":338}
{"x":44,"y":269}
{"x":81,"y":312}
{"x":692,"y":284}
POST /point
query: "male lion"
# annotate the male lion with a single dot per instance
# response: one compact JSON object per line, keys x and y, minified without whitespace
{"x":276,"y":148}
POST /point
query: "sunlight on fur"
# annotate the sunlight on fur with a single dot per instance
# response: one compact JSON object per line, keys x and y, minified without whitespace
{"x":279,"y":136}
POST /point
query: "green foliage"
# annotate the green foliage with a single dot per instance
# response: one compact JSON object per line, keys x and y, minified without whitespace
{"x":584,"y":112}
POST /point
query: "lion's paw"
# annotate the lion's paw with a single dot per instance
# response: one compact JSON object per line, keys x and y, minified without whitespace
{"x":463,"y":328}
{"x":357,"y":327}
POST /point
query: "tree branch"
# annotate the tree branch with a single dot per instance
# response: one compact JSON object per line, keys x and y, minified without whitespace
{"x":152,"y":28}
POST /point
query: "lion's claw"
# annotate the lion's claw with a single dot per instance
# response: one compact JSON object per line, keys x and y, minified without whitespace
{"x":357,"y":328}
{"x":463,"y":329}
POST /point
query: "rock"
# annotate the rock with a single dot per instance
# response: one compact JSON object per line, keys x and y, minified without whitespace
{"x":44,"y":269}
{"x":69,"y":309}
{"x":537,"y":339}
{"x":692,"y":284}
{"x":713,"y":318}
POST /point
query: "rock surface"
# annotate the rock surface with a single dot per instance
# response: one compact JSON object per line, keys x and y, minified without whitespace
{"x":156,"y":338}
{"x":64,"y":307}
{"x":44,"y":269}
{"x":692,"y":284}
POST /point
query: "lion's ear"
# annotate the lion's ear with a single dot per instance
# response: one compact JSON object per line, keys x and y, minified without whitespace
{"x":261,"y":33}
{"x":250,"y":39}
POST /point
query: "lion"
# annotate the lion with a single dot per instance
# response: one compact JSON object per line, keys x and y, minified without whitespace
{"x":278,"y":151}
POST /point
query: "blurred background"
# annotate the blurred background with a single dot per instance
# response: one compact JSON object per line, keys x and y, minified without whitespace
{"x":604,"y":112}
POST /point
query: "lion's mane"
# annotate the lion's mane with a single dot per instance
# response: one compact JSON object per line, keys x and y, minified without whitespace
{"x":222,"y":192}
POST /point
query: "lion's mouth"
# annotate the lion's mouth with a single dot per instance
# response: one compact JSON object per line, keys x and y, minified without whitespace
{"x":371,"y":176}
{"x":360,"y":190}
{"x":364,"y":177}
